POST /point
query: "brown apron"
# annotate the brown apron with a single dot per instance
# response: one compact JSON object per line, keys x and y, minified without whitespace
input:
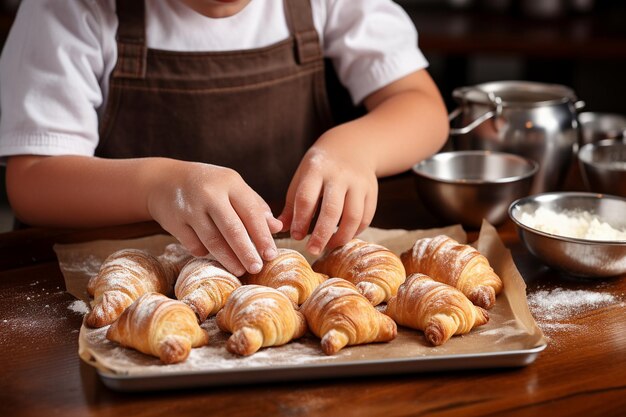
{"x":256,"y":111}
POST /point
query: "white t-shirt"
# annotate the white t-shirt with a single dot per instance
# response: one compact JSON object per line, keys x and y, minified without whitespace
{"x":56,"y":63}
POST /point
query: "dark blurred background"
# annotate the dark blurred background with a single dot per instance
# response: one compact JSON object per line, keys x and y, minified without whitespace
{"x":578,"y":43}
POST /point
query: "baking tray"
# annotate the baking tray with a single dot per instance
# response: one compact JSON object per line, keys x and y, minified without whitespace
{"x":510,"y":339}
{"x":253,"y":375}
{"x":495,"y":345}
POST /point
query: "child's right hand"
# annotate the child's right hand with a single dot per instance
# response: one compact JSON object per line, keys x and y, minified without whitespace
{"x":211,"y":209}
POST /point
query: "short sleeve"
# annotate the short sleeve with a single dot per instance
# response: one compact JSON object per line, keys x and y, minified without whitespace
{"x":371,"y":44}
{"x":49,"y":79}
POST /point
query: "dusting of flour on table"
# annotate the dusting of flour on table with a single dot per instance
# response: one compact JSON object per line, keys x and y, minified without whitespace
{"x":560,"y":304}
{"x":569,"y":223}
{"x":31,"y":315}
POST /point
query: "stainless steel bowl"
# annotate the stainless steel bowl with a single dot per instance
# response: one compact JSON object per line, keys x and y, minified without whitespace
{"x":603,"y":166}
{"x":597,"y":126}
{"x":577,"y":257}
{"x":469,"y":186}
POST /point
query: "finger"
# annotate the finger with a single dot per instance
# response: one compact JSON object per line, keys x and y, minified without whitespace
{"x":330,"y":212}
{"x":273,"y":223}
{"x":286,"y":216}
{"x":305,"y":202}
{"x":233,"y":230}
{"x":212,"y":239}
{"x":369,"y":210}
{"x":351,"y":220}
{"x":255,"y":220}
{"x":190,"y":240}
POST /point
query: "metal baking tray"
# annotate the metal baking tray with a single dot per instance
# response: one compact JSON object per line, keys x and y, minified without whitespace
{"x":253,"y":375}
{"x":511,"y":339}
{"x":303,"y":360}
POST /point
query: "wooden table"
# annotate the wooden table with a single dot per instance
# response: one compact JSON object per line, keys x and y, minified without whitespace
{"x":582,"y":372}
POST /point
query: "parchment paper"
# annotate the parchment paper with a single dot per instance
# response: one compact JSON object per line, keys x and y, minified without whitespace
{"x":511,"y":326}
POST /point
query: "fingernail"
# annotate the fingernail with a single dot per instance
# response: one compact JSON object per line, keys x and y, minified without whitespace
{"x":256,"y":267}
{"x":270,"y":254}
{"x":314,"y":249}
{"x":296,"y":234}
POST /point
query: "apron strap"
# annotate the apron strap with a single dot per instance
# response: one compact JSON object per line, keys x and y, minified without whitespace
{"x":300,"y":20}
{"x":131,"y":39}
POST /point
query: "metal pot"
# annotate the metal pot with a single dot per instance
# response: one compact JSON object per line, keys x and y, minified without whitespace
{"x":534,"y":120}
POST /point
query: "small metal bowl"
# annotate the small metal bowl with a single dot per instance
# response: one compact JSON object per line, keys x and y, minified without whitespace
{"x":469,"y":186}
{"x":603,"y":166}
{"x":597,"y":126}
{"x":578,"y":257}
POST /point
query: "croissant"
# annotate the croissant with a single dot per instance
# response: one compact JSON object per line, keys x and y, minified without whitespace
{"x":123,"y":277}
{"x":173,"y":258}
{"x":259,"y":316}
{"x":157,"y":325}
{"x":204,"y":285}
{"x":375,"y":270}
{"x":290,"y":273}
{"x":439,"y":310}
{"x":461,"y":266}
{"x":338,"y":314}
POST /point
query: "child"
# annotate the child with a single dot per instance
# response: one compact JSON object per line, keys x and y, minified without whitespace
{"x":197,"y":113}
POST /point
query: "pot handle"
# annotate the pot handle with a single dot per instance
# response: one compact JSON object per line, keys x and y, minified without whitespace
{"x":579,"y":105}
{"x":466,"y":129}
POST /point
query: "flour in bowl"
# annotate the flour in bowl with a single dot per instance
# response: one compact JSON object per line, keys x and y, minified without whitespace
{"x":568,"y":223}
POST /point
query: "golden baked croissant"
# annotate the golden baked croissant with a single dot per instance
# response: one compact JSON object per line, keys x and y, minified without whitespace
{"x":173,"y":258}
{"x":461,"y":266}
{"x":157,"y":325}
{"x":204,"y":284}
{"x":123,"y":277}
{"x":439,"y":310}
{"x":375,"y":270}
{"x":338,"y":314}
{"x":259,"y":316}
{"x":290,"y":273}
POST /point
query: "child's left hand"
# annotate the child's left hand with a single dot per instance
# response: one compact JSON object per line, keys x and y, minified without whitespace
{"x":342,"y":180}
{"x":406,"y":122}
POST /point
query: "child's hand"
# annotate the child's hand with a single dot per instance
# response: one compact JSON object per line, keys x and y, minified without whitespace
{"x":342,"y":180}
{"x":211,"y":208}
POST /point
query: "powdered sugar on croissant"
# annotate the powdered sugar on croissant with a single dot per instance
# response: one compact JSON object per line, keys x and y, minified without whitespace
{"x":205,"y":285}
{"x":158,"y":326}
{"x":375,"y":270}
{"x":338,"y":314}
{"x":438,"y":309}
{"x":259,"y":316}
{"x":461,"y":266}
{"x":174,"y":258}
{"x":123,"y":277}
{"x":290,"y":273}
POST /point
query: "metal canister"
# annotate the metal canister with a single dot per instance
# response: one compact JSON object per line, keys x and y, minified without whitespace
{"x":534,"y":120}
